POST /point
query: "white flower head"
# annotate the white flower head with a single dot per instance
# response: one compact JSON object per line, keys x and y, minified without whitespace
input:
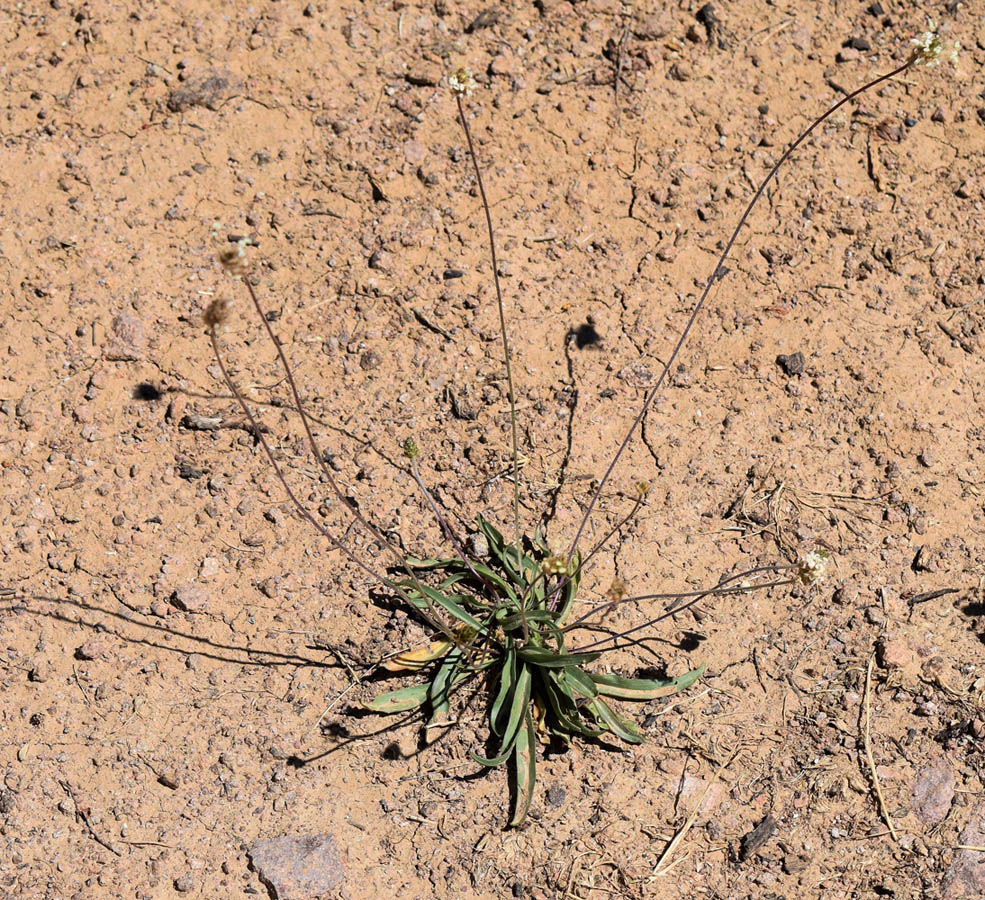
{"x":929,"y":47}
{"x":462,"y":82}
{"x":812,"y":568}
{"x":234,"y":259}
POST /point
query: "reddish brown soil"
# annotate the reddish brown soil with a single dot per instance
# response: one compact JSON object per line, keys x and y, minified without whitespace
{"x":168,"y":622}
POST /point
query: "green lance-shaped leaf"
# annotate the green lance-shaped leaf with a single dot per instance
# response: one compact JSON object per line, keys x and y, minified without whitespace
{"x":461,"y":571}
{"x":540,"y":656}
{"x":453,"y":579}
{"x":537,"y":587}
{"x":620,"y":727}
{"x":495,"y":579}
{"x":399,"y":701}
{"x":454,"y":608}
{"x":536,"y":618}
{"x":505,"y":555}
{"x":562,"y":706}
{"x":580,"y":682}
{"x":643,"y":688}
{"x":519,"y":704}
{"x":442,"y":685}
{"x":416,"y":562}
{"x":525,"y":769}
{"x":507,"y":681}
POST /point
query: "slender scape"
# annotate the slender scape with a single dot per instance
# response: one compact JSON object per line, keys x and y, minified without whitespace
{"x":652,"y":395}
{"x":502,"y":322}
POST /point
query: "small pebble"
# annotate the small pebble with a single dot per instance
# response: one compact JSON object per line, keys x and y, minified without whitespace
{"x":382,"y":261}
{"x":555,"y":796}
{"x":478,"y":545}
{"x":875,"y":616}
{"x":189,"y":597}
{"x":933,"y":792}
{"x":39,"y":672}
{"x":8,"y":802}
{"x":159,"y":608}
{"x":168,"y":780}
{"x":91,"y":649}
{"x":792,"y":364}
{"x":415,"y":152}
{"x":892,"y":653}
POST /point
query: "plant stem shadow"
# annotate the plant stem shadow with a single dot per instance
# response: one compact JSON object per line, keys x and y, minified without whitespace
{"x":203,"y":646}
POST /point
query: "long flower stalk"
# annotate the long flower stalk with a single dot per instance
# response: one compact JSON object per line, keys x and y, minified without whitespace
{"x":713,"y":277}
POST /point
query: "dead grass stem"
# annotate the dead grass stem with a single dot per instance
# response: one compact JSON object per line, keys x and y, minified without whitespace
{"x":867,"y":741}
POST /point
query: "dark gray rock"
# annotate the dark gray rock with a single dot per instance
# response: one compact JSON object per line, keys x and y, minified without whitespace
{"x":209,"y":88}
{"x":791,"y":363}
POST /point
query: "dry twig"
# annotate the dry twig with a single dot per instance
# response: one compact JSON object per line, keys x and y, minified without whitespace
{"x":867,"y":740}
{"x":82,"y":815}
{"x":662,"y":867}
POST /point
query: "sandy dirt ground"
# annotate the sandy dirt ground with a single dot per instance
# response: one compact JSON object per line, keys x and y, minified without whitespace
{"x":183,"y":658}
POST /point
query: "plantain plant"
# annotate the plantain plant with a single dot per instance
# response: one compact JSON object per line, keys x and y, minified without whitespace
{"x":503,"y":618}
{"x":511,"y":616}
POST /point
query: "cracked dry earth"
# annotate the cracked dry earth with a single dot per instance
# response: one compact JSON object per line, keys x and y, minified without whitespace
{"x":180,"y":654}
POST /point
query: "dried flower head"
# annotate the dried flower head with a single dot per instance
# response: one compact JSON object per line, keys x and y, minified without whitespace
{"x":811,"y":569}
{"x":217,"y":312}
{"x":234,"y":259}
{"x":929,"y":47}
{"x":462,"y":82}
{"x":617,"y":590}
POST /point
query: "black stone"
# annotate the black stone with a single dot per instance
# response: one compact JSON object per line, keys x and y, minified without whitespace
{"x":792,"y":363}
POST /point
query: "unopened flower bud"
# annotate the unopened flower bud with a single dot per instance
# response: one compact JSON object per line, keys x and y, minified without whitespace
{"x":554,"y":564}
